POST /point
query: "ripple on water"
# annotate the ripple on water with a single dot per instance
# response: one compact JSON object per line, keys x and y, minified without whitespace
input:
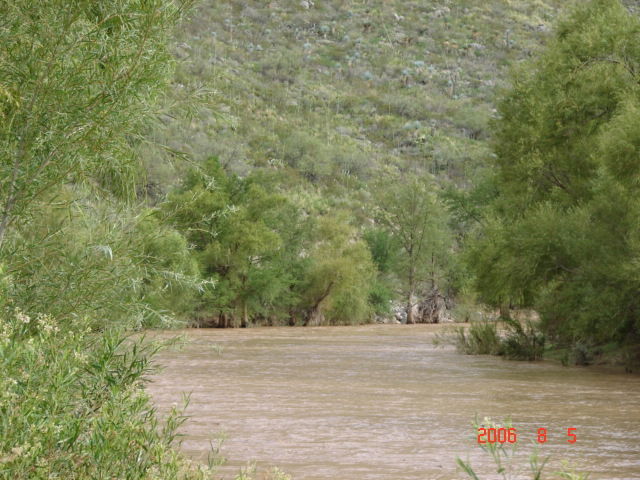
{"x":382,"y":403}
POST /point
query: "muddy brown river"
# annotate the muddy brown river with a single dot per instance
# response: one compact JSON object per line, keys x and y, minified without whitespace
{"x":381,"y":402}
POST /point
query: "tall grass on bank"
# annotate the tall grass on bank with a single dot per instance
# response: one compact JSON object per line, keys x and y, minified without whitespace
{"x":481,"y":338}
{"x":507,"y":337}
{"x":523,"y":340}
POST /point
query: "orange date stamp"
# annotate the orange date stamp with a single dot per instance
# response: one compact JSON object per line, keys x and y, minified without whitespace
{"x":510,"y":435}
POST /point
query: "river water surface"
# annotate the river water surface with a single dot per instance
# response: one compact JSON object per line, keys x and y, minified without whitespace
{"x":381,"y":402}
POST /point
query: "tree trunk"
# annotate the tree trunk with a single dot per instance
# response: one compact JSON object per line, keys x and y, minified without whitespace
{"x":505,"y":311}
{"x":245,"y":316}
{"x":433,"y":309}
{"x":3,"y":227}
{"x":410,"y":318}
{"x":316,"y":318}
{"x":433,"y":272}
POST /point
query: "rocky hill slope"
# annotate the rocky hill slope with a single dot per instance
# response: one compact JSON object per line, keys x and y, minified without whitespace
{"x":338,"y":92}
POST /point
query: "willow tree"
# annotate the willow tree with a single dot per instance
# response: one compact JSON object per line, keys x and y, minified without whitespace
{"x":563,"y":235}
{"x":412,"y":213}
{"x":77,"y":82}
{"x":339,"y":276}
{"x":233,"y":228}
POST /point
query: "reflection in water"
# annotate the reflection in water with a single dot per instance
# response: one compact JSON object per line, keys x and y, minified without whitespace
{"x":381,"y":402}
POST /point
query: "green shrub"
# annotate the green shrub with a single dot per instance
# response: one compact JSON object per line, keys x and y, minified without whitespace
{"x":522,"y":342}
{"x":581,"y":353}
{"x":481,"y":338}
{"x":75,"y":259}
{"x":169,"y":271}
{"x":111,"y":265}
{"x":72,"y":406}
{"x":517,"y":341}
{"x":76,"y":95}
{"x":380,"y":297}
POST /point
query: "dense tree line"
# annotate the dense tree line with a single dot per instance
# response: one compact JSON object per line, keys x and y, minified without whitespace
{"x":267,"y":259}
{"x":561,"y":232}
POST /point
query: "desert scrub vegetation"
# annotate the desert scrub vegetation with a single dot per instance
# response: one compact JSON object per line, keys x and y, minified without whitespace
{"x":362,"y":81}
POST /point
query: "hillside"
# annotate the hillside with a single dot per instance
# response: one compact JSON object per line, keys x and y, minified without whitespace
{"x":339,"y":92}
